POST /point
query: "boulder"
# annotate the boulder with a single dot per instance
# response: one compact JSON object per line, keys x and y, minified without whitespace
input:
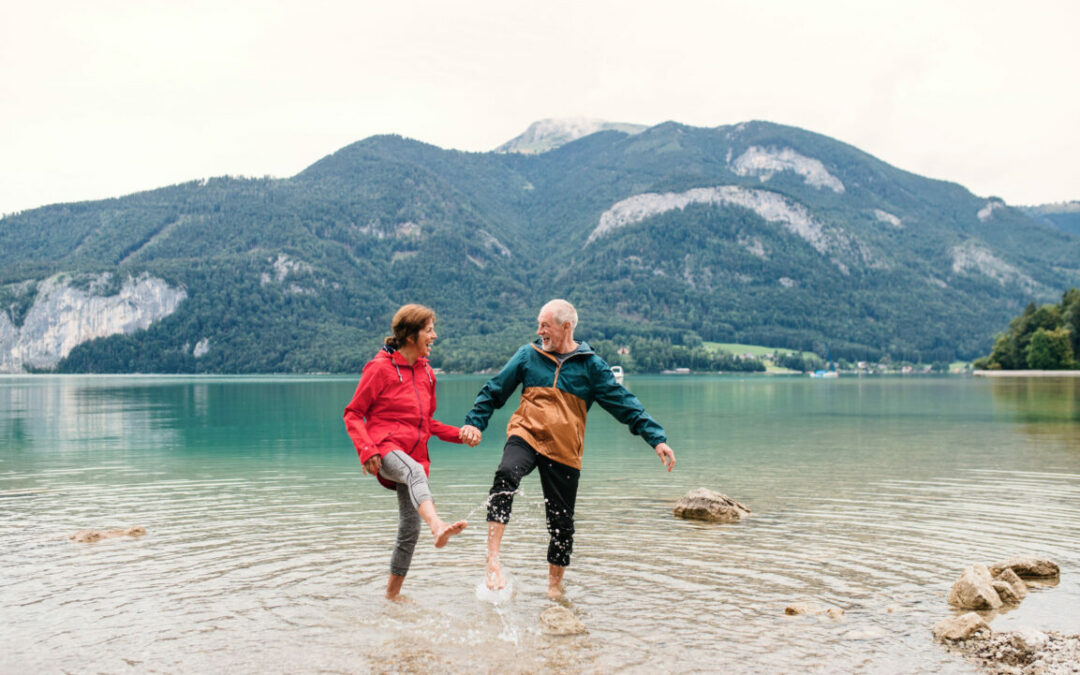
{"x":1019,"y":588}
{"x":707,"y":505}
{"x":1027,"y":567}
{"x":974,"y":590}
{"x":1029,"y":639}
{"x":1006,"y":592}
{"x":561,"y":621}
{"x":960,"y":627}
{"x":90,"y":536}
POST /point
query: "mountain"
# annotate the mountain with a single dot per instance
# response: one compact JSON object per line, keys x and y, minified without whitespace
{"x":549,"y":134}
{"x":755,"y":232}
{"x":1064,"y":216}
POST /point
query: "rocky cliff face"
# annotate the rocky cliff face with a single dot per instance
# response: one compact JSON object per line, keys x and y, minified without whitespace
{"x":64,"y":316}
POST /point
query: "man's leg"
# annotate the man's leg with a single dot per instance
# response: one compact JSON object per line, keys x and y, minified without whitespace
{"x":560,"y":483}
{"x":517,"y":461}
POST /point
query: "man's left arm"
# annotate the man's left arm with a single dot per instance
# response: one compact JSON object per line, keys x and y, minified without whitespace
{"x":625,"y":407}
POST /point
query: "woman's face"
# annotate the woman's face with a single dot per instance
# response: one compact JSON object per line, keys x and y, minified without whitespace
{"x":424,"y":338}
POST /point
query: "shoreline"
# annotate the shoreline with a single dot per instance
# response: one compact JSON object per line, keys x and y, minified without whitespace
{"x":1025,"y":373}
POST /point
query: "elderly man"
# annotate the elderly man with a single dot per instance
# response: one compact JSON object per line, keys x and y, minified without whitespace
{"x":560,"y":380}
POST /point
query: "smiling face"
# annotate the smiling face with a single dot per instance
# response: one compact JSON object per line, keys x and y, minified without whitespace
{"x":554,"y":337}
{"x":424,"y":339}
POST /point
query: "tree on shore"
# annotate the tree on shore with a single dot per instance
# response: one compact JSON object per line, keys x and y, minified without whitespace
{"x":1042,"y":338}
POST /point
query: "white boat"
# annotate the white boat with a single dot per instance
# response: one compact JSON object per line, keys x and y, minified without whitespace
{"x":617,"y":371}
{"x":825,"y":374}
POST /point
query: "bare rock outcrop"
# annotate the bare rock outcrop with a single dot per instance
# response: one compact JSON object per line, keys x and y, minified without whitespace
{"x":708,"y":505}
{"x":90,"y":536}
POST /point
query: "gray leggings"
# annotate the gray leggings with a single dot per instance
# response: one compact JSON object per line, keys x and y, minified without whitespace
{"x":412,"y":491}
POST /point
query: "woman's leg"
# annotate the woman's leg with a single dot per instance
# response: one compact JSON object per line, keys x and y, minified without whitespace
{"x":408,"y":533}
{"x":404,"y":470}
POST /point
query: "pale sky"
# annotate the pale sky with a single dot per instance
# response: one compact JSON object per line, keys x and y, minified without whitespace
{"x":103,"y":98}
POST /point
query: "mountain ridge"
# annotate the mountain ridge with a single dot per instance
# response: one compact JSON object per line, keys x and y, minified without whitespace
{"x":751,"y":232}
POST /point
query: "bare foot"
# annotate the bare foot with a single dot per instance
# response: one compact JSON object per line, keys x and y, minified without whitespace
{"x":443,"y":534}
{"x":404,"y":599}
{"x":494,"y":577}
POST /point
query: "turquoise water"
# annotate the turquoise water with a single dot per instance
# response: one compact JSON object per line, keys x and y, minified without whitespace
{"x":267,"y":550}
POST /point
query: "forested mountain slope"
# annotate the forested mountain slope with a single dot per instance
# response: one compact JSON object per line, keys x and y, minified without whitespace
{"x":755,"y":232}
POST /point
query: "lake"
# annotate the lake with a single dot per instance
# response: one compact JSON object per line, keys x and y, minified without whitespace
{"x":267,"y":549}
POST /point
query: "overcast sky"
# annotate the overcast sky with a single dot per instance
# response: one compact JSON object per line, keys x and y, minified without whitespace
{"x":100,"y":99}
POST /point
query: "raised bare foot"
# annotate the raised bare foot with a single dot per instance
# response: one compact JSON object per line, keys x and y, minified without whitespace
{"x":494,"y":577}
{"x":447,"y":530}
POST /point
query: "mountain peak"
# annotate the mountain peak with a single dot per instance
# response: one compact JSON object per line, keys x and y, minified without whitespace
{"x":548,"y":134}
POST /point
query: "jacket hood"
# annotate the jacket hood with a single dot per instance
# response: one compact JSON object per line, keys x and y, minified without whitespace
{"x":582,"y":347}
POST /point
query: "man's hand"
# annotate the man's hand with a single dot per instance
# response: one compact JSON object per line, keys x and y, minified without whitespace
{"x":667,"y":455}
{"x":373,"y":464}
{"x":470,"y":435}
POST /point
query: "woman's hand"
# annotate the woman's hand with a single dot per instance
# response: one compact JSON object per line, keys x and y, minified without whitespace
{"x":373,"y":464}
{"x":470,"y":435}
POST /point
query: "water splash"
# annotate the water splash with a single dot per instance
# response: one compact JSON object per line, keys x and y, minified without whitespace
{"x":487,"y":502}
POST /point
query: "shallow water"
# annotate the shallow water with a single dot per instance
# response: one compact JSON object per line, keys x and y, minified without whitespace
{"x":267,"y":550}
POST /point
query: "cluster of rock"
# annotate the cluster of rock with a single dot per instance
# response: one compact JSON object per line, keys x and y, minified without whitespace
{"x":982,"y":587}
{"x":90,"y":536}
{"x":995,"y":587}
{"x":710,"y":506}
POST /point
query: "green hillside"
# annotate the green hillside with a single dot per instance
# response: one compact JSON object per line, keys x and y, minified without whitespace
{"x":302,"y":274}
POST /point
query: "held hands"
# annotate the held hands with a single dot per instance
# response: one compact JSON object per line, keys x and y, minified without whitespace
{"x":667,"y":455}
{"x":470,"y":435}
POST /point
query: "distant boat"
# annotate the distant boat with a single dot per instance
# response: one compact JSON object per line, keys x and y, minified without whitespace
{"x":831,"y":372}
{"x":617,"y":371}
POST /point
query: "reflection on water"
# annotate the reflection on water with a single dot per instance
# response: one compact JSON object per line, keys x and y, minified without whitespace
{"x":267,"y":549}
{"x":1048,"y":406}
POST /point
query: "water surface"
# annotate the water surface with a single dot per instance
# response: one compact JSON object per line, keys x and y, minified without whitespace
{"x":268,"y":550}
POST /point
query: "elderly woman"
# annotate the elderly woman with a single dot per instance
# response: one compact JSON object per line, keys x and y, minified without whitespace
{"x":390,"y":419}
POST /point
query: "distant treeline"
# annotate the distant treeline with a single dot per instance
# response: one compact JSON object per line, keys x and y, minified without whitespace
{"x":1042,"y":338}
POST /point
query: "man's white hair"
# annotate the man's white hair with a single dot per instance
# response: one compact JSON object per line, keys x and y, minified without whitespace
{"x":562,"y":311}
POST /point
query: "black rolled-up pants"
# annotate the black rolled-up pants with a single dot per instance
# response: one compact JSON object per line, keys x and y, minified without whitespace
{"x":560,"y":483}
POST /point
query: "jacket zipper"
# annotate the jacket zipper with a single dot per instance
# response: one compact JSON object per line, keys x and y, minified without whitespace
{"x":420,"y":407}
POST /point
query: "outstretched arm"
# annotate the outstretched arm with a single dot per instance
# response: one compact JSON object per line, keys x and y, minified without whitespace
{"x":625,"y":407}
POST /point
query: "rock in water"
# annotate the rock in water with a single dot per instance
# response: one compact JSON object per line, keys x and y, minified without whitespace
{"x":975,"y":590}
{"x":561,"y":621}
{"x":1027,"y":567}
{"x":90,"y":536}
{"x":705,"y":504}
{"x":960,"y":627}
{"x":798,"y":608}
{"x":1019,"y":588}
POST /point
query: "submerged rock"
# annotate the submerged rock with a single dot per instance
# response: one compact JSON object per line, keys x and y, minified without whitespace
{"x":975,"y":590}
{"x":960,"y":627}
{"x":813,"y":609}
{"x":710,"y":506}
{"x":1027,"y":567}
{"x":90,"y":536}
{"x":561,"y":621}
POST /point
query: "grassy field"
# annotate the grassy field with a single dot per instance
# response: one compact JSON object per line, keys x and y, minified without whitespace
{"x":756,"y":350}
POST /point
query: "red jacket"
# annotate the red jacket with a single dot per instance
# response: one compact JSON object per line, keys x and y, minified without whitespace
{"x":393,"y":409}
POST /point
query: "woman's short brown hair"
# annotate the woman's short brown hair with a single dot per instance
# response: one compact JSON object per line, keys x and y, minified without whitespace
{"x":408,"y":322}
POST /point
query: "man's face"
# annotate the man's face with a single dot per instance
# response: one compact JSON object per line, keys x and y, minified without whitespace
{"x":552,"y":334}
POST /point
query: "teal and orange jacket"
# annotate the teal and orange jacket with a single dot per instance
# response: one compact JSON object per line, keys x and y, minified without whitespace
{"x":555,"y":398}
